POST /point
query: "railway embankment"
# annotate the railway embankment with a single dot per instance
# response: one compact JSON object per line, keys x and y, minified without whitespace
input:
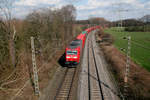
{"x":139,"y":78}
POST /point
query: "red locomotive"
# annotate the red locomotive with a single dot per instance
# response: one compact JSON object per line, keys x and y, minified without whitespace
{"x":74,"y":50}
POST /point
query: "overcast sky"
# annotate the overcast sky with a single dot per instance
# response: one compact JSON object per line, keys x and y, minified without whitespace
{"x":108,"y":9}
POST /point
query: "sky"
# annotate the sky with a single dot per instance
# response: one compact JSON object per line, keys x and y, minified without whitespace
{"x":109,"y":9}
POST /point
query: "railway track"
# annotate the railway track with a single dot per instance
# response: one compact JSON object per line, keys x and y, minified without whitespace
{"x":94,"y":82}
{"x":65,"y":88}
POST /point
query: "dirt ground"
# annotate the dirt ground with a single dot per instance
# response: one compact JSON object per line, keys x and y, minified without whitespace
{"x":20,"y":85}
{"x":139,"y":78}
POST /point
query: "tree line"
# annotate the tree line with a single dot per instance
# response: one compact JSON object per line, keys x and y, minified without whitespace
{"x":52,"y":28}
{"x":144,"y":28}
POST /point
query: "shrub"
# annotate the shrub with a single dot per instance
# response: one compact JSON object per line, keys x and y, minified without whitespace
{"x":145,"y":28}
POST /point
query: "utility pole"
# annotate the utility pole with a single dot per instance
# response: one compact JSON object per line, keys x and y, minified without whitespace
{"x":35,"y":76}
{"x":127,"y":71}
{"x":121,"y":20}
{"x":120,"y":10}
{"x":14,"y":32}
{"x":90,"y":20}
{"x":146,"y":19}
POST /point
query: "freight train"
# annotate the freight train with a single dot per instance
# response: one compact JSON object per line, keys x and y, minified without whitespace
{"x":74,"y":50}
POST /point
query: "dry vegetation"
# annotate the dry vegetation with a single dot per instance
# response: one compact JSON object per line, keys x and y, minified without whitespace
{"x":139,"y":79}
{"x":53,"y":30}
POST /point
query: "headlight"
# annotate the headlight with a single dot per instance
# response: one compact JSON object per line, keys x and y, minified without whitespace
{"x":75,"y":57}
{"x":68,"y":57}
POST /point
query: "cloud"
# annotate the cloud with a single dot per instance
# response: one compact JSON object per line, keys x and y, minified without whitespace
{"x":83,"y":7}
{"x":147,"y":5}
{"x":25,"y":2}
{"x":86,"y":8}
{"x":94,"y":4}
{"x":36,"y":2}
{"x":24,"y":7}
{"x":99,"y":3}
{"x":21,"y":12}
{"x":85,"y":14}
{"x":129,"y":1}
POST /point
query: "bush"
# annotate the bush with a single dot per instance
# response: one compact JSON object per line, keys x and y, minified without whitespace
{"x":145,"y":28}
{"x":4,"y":55}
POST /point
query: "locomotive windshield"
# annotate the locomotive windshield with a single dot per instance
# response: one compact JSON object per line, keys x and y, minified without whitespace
{"x":75,"y":43}
{"x":71,"y":52}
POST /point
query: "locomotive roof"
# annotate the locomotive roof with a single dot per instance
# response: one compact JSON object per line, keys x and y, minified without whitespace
{"x":80,"y":36}
{"x":77,"y":40}
{"x":75,"y":43}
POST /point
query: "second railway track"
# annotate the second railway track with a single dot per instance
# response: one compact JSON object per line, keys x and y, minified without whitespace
{"x":95,"y":88}
{"x":95,"y":82}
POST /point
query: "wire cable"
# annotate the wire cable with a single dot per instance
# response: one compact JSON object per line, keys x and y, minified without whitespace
{"x":138,"y":44}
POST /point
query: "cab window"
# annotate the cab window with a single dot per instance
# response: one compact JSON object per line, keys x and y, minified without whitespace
{"x":72,"y":52}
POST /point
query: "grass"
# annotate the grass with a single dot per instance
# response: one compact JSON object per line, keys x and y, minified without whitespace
{"x":140,"y":47}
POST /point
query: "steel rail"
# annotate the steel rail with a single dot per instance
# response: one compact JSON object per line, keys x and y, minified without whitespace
{"x":65,"y":86}
{"x":99,"y":80}
{"x":57,"y":93}
{"x":89,"y":89}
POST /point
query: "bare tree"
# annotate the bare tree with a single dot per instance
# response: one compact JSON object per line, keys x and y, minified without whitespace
{"x":6,"y":14}
{"x":53,"y":27}
{"x":69,"y":15}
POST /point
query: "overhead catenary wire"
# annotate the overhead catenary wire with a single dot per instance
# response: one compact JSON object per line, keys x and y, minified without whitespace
{"x":132,"y":41}
{"x":140,"y":42}
{"x":140,"y":45}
